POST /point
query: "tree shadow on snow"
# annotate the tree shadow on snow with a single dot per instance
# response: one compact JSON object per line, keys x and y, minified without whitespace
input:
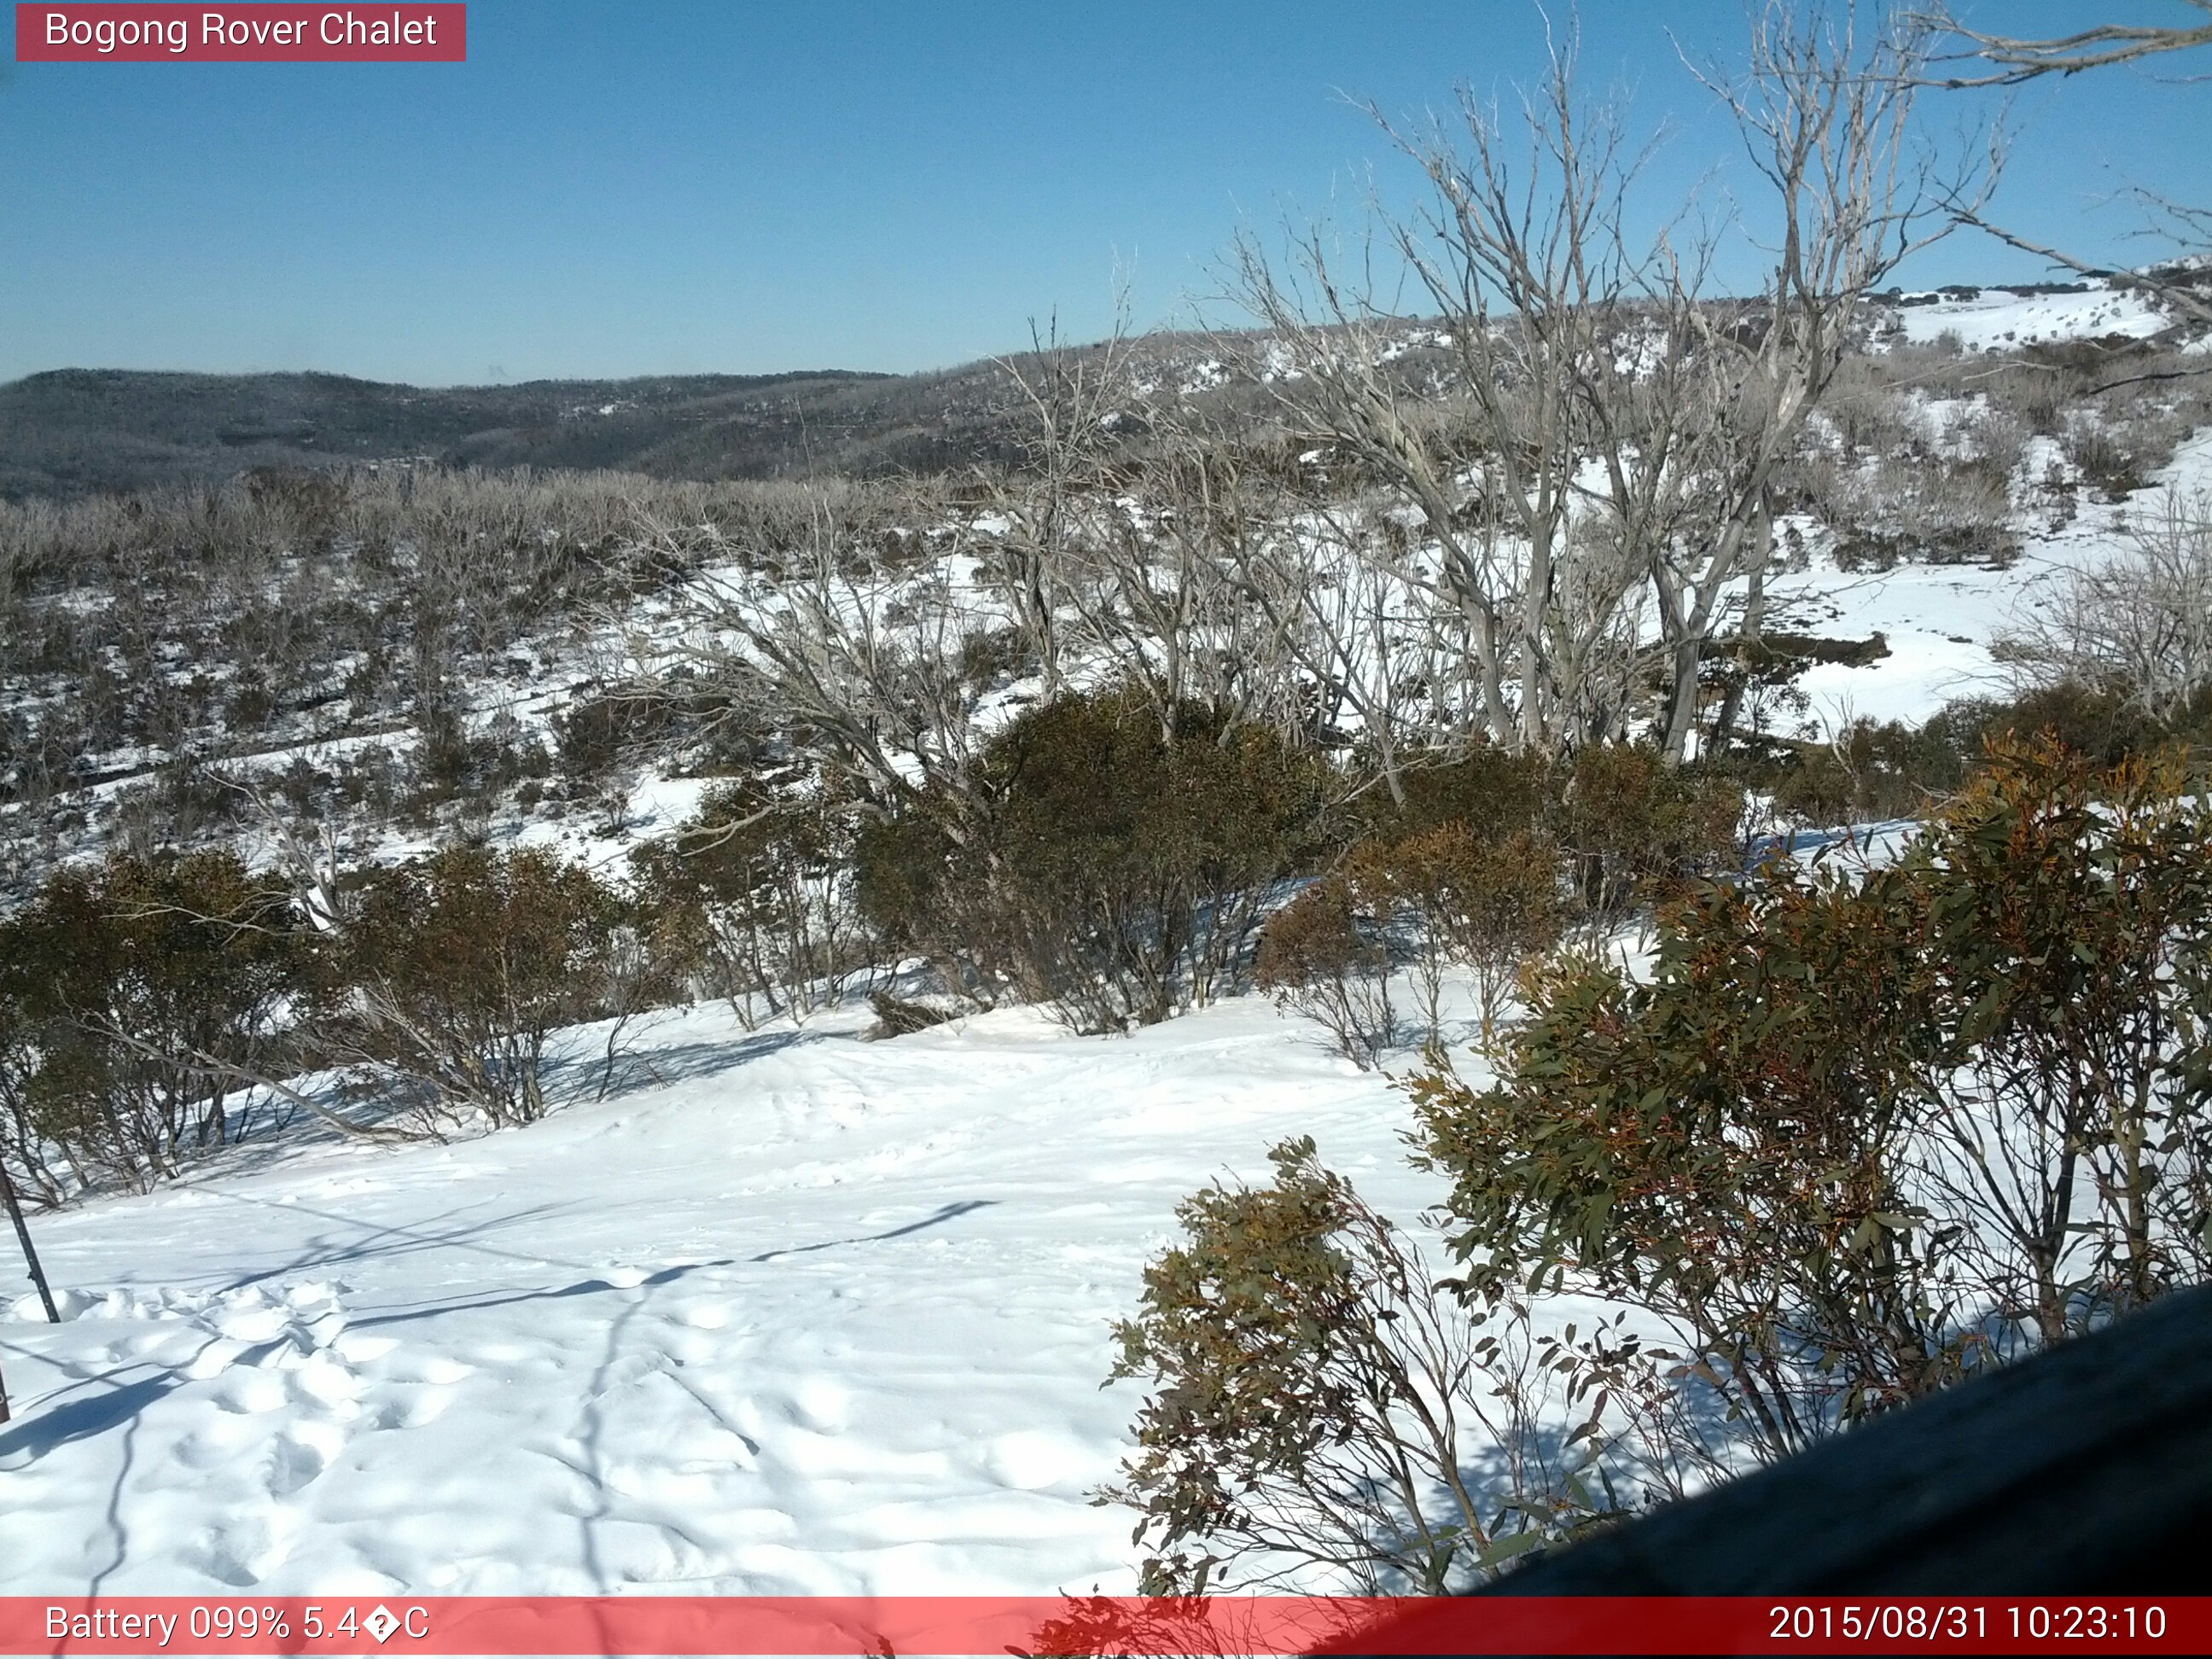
{"x":949,"y":1212}
{"x":670,"y":1274}
{"x":42,"y":1430}
{"x":572,"y":1078}
{"x":384,"y":1240}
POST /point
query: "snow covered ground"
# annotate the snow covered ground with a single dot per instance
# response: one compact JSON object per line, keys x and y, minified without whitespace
{"x":804,"y":1314}
{"x":1939,"y":621}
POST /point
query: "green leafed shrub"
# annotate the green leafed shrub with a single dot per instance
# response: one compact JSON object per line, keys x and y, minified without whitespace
{"x":753,"y":898}
{"x":1854,"y":1136}
{"x":455,"y":970}
{"x":1492,"y":791}
{"x":132,"y":996}
{"x":1318,"y":1403}
{"x":1635,"y":829}
{"x":1857,"y":1135}
{"x":1322,"y":957}
{"x":1108,"y":859}
{"x":1485,"y":906}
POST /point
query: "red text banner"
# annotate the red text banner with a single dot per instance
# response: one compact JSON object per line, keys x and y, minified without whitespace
{"x":327,"y":33}
{"x":911,"y":1626}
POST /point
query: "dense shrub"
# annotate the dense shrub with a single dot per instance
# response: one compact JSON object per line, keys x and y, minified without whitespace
{"x":1881,"y":770}
{"x":1483,"y":905}
{"x":1327,"y":956}
{"x":1634,"y":828}
{"x":28,"y":1155}
{"x":1492,"y":791}
{"x":922,"y":877}
{"x":453,"y":972}
{"x":597,"y":743}
{"x":1317,"y":1404}
{"x":1858,"y":1135}
{"x":752,"y":898}
{"x":1630,"y":826}
{"x":1854,"y":1138}
{"x":2104,"y":726}
{"x":1106,"y":860}
{"x":1480,"y":868}
{"x":1888,"y":769}
{"x":134,"y":997}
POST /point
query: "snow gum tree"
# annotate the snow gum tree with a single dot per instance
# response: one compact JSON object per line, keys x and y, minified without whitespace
{"x":1597,"y":460}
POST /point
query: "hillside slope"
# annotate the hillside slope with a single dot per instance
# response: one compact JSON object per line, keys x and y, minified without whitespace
{"x":789,"y":1313}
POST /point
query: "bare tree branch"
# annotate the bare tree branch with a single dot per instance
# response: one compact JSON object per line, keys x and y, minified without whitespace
{"x":2014,"y":59}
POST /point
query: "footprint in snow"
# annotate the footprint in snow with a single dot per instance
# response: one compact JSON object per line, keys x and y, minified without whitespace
{"x":245,"y":1391}
{"x":241,"y":1551}
{"x":301,"y":1453}
{"x":819,"y":1404}
{"x":218,"y":1444}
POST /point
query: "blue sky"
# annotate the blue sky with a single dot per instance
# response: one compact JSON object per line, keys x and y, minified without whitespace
{"x":659,"y":186}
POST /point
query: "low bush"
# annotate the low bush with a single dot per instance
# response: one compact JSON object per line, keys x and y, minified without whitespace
{"x":1884,"y":769}
{"x":1484,"y":906}
{"x":453,"y":972}
{"x":134,"y":997}
{"x":1323,"y":956}
{"x":1901,"y":510}
{"x":1317,"y":1404}
{"x":598,"y":744}
{"x":1634,"y":829}
{"x":752,"y":899}
{"x":1855,"y":1137}
{"x":1106,"y":859}
{"x":1491,"y":790}
{"x":1860,"y":1135}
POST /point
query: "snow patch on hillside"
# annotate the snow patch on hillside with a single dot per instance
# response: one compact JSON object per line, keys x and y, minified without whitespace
{"x":1939,"y":620}
{"x":1995,"y":319}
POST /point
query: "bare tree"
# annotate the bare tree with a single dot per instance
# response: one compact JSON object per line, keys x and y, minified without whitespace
{"x":2014,"y":59}
{"x":1518,"y":267}
{"x":30,"y":1251}
{"x":1162,"y":587}
{"x":1073,"y":396}
{"x":1608,"y":430}
{"x":861,"y":661}
{"x":1824,"y":107}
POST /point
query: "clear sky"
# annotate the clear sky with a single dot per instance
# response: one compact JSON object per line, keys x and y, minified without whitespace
{"x":614,"y":187}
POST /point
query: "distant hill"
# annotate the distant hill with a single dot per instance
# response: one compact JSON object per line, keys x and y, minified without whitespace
{"x":74,"y":431}
{"x":70,"y":431}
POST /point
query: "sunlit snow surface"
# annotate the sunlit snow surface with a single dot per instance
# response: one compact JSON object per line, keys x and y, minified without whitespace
{"x":2000,"y":320}
{"x":805,"y":1314}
